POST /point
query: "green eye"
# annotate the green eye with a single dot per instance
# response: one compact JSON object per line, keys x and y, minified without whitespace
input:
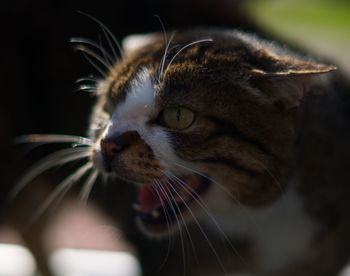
{"x":177,"y":117}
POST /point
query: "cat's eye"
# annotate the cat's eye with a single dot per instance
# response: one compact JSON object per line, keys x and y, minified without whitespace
{"x":177,"y":117}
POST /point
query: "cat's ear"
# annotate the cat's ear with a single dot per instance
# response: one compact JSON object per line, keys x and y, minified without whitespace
{"x":133,"y":42}
{"x":286,"y":77}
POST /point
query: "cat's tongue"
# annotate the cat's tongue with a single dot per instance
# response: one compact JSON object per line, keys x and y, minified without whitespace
{"x":148,"y":198}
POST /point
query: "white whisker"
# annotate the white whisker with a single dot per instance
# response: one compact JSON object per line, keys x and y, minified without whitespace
{"x":83,"y":48}
{"x":62,"y":189}
{"x":53,"y":138}
{"x":50,"y":161}
{"x":205,"y":176}
{"x":178,"y":224}
{"x":87,"y":88}
{"x":104,"y":52}
{"x":87,"y":188}
{"x":108,"y":34}
{"x":161,"y":68}
{"x":191,"y":192}
{"x":102,"y":72}
{"x":202,"y":230}
{"x":184,"y":222}
{"x":279,"y":185}
{"x":163,"y":28}
{"x":212,"y":180}
{"x":91,"y":79}
{"x":182,"y":49}
{"x":167,"y":219}
{"x":223,"y":188}
{"x":115,"y":59}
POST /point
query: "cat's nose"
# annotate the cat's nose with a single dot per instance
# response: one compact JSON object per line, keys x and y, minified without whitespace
{"x":113,"y":145}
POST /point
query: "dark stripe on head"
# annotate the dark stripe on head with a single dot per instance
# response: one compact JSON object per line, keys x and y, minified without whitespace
{"x":230,"y":163}
{"x":226,"y":128}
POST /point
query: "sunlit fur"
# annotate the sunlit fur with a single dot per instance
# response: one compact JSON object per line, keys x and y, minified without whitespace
{"x":245,"y":93}
{"x":248,"y":96}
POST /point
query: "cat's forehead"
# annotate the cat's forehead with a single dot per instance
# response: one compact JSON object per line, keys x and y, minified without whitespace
{"x":175,"y":64}
{"x":139,"y":98}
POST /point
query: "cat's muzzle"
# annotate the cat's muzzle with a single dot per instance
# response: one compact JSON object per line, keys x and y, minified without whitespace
{"x":161,"y":205}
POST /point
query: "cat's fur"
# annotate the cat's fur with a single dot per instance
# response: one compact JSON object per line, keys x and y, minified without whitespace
{"x":270,"y":133}
{"x":257,"y":179}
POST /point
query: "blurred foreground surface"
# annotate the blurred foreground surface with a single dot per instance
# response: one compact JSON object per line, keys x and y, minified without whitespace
{"x":80,"y":242}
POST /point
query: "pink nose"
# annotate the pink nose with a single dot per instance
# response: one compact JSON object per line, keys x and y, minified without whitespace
{"x":112,"y":146}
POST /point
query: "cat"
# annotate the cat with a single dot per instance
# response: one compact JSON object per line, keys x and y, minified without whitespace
{"x":225,"y":135}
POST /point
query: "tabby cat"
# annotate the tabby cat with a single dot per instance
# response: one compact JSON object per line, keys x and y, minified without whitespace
{"x":223,"y":132}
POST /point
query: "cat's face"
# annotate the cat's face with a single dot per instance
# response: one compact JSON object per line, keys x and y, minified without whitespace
{"x":217,"y":110}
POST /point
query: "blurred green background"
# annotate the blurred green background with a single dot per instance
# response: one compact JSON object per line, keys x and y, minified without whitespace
{"x":323,"y":26}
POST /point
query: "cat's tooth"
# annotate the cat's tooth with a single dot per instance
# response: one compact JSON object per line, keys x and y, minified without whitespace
{"x":137,"y":207}
{"x":155,"y":214}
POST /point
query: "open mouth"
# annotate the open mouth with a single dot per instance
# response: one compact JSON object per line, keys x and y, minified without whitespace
{"x":160,"y":204}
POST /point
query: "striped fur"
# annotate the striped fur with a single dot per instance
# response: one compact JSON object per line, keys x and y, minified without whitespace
{"x":249,"y":97}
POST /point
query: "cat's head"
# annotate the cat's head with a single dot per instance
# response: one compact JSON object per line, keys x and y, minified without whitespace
{"x":203,"y":110}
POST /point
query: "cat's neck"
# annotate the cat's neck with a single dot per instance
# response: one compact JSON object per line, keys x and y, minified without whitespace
{"x":271,"y":229}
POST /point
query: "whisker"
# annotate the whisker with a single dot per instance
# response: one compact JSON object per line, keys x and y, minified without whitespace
{"x":202,"y":230}
{"x":223,"y":188}
{"x":87,"y":188}
{"x":168,"y":192}
{"x":183,"y":48}
{"x":191,"y":192}
{"x":55,"y":159}
{"x":107,"y":32}
{"x":160,"y":70}
{"x":107,"y":56}
{"x":94,"y":64}
{"x":87,"y":88}
{"x":115,"y":60}
{"x":212,"y":180}
{"x":178,"y":224}
{"x":163,"y":28}
{"x":170,"y":241}
{"x":91,"y":79}
{"x":164,"y":56}
{"x":53,"y":138}
{"x":62,"y":189}
{"x":205,"y":176}
{"x":184,"y":224}
{"x":82,"y":48}
{"x":278,"y":183}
